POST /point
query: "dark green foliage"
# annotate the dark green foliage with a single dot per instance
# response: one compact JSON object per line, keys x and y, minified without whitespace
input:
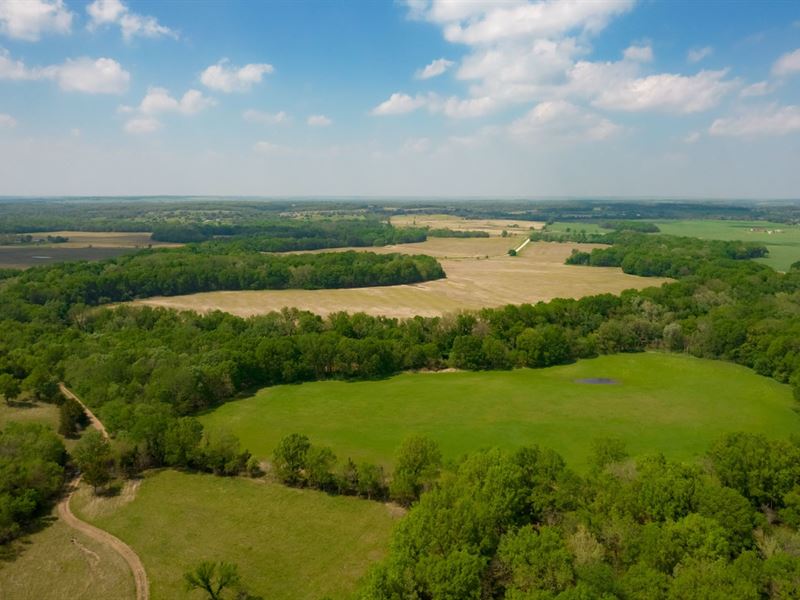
{"x":208,"y":268}
{"x":71,"y":418}
{"x":93,"y":456}
{"x":416,"y":468}
{"x":289,"y":458}
{"x":455,"y":233}
{"x":638,"y":226}
{"x":661,"y":531}
{"x":212,"y":578}
{"x":32,"y":462}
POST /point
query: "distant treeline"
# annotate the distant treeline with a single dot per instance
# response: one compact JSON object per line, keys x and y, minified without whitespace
{"x":169,"y":272}
{"x":638,"y":226}
{"x":455,"y":233}
{"x":291,"y":234}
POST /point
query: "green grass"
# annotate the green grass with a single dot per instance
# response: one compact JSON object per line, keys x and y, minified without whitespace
{"x":29,"y":412}
{"x":783,"y":243}
{"x":670,"y":403}
{"x":58,"y":562}
{"x":288,"y":543}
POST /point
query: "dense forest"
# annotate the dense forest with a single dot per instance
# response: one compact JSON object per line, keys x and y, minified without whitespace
{"x":522,"y":526}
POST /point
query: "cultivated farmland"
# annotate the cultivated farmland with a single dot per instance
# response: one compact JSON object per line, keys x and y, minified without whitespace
{"x":655,"y":402}
{"x":479,"y":274}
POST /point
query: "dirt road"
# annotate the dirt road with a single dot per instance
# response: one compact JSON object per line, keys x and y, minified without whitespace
{"x":65,"y":514}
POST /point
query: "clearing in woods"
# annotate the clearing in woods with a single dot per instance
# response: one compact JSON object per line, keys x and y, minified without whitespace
{"x":656,"y":402}
{"x":479,"y":274}
{"x":289,"y":544}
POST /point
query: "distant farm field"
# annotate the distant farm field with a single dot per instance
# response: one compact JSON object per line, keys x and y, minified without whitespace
{"x":491,"y":226}
{"x":479,"y":274}
{"x":782,"y":240}
{"x":82,"y":245}
{"x":657,"y":402}
{"x":289,"y":544}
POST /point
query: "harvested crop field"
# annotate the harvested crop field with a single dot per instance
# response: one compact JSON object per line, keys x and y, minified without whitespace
{"x":479,"y":274}
{"x":490,"y":226}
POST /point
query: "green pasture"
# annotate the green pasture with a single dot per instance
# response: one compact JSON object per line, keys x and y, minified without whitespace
{"x":659,"y":402}
{"x":289,"y":544}
{"x":782,"y":241}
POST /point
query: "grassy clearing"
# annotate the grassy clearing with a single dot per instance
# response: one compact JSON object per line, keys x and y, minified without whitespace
{"x":783,"y":241}
{"x":670,"y":403}
{"x":479,"y":274}
{"x":58,"y":562}
{"x":288,"y":544}
{"x":24,"y":411}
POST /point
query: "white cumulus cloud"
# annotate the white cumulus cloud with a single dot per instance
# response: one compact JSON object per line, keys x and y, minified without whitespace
{"x":560,"y":118}
{"x":86,"y":75}
{"x":7,"y":121}
{"x":29,"y":19}
{"x":265,"y":118}
{"x":638,"y":53}
{"x":760,"y":88}
{"x":768,"y":121}
{"x":667,"y":92}
{"x":787,"y":64}
{"x":226,"y":78}
{"x":158,"y":100}
{"x":697,"y":54}
{"x":140,"y":125}
{"x":116,"y":12}
{"x":399,"y":104}
{"x":318,"y":121}
{"x":92,"y":76}
{"x":435,"y":68}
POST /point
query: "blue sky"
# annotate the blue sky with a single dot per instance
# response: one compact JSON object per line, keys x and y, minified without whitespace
{"x":414,"y":98}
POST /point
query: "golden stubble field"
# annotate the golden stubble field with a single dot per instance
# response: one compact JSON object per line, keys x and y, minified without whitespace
{"x":490,"y":226}
{"x":479,"y":274}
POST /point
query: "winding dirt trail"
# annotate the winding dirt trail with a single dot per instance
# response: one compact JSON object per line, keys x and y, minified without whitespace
{"x":65,"y":514}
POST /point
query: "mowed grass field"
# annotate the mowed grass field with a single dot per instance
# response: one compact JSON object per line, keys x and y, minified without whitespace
{"x":289,"y":544}
{"x":479,"y":274}
{"x":59,"y":562}
{"x":660,"y":402}
{"x":782,"y":240}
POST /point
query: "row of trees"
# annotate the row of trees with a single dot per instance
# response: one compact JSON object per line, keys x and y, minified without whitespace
{"x":297,"y":462}
{"x":521,"y":525}
{"x":32,"y":459}
{"x":185,"y":271}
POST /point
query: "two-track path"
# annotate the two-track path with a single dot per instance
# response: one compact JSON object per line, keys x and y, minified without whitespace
{"x":65,"y":514}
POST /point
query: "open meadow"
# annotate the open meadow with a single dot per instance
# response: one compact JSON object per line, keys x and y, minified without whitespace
{"x":289,"y":544}
{"x":782,"y":240}
{"x":479,"y":274}
{"x":656,"y":402}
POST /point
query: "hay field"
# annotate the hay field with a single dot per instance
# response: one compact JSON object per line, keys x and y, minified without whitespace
{"x":479,"y":274}
{"x":490,"y":226}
